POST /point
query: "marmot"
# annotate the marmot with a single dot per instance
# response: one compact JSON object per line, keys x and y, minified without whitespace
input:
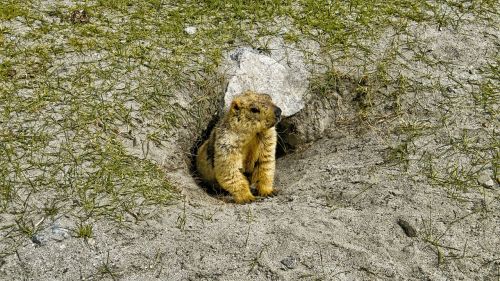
{"x":240,"y":151}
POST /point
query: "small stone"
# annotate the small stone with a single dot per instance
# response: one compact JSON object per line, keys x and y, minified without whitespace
{"x":59,"y":233}
{"x":79,"y":16}
{"x":289,"y":262}
{"x":485,"y":180}
{"x":37,"y":239}
{"x":190,"y":30}
{"x":407,"y":228}
{"x":11,"y":73}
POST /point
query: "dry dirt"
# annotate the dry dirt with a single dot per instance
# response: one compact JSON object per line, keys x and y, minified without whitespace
{"x":335,"y":217}
{"x":344,"y":210}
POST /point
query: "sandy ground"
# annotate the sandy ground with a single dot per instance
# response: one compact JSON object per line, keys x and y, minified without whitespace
{"x":335,"y":217}
{"x":343,"y":211}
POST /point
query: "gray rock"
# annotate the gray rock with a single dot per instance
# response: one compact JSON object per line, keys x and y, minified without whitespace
{"x":290,"y":262}
{"x":58,"y":233}
{"x":260,"y":73}
{"x":324,"y":109}
{"x":55,"y":232}
{"x":190,"y":30}
{"x":485,"y":180}
{"x":38,"y":239}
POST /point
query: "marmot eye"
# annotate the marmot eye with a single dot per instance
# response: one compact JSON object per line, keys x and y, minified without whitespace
{"x":254,"y":110}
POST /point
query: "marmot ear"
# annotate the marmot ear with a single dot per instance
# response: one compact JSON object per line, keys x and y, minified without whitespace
{"x":235,"y":105}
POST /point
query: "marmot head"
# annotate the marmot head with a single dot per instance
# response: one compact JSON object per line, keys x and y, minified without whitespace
{"x":254,"y":111}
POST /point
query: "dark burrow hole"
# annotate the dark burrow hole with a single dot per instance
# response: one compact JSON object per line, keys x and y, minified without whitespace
{"x":209,"y":188}
{"x":283,"y":148}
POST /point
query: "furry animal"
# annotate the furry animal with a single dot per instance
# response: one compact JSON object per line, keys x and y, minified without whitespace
{"x":240,"y":151}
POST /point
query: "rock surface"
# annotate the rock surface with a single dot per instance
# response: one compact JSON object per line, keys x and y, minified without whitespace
{"x":485,"y":180}
{"x":261,"y":73}
{"x":289,"y":262}
{"x":191,"y":30}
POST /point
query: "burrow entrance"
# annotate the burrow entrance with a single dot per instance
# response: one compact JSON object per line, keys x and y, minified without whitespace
{"x":334,"y":102}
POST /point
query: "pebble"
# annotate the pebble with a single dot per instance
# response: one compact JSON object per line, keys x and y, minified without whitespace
{"x":59,"y":233}
{"x":190,"y":30}
{"x":485,"y":180}
{"x":79,"y":16}
{"x":290,"y":262}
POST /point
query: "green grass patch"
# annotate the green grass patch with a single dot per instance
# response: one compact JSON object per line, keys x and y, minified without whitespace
{"x":12,"y":9}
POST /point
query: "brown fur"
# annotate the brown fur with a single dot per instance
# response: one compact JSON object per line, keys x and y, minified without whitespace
{"x":242,"y":143}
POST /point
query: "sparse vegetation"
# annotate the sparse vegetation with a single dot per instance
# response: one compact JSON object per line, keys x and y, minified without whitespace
{"x":84,"y":231}
{"x":83,"y":103}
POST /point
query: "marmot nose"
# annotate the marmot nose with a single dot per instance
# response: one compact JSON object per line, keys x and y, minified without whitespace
{"x":277,"y":112}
